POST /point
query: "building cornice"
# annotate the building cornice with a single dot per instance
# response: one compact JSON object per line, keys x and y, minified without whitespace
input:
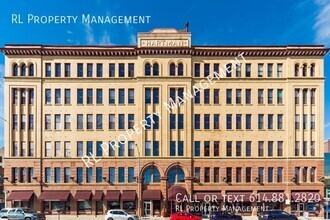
{"x":216,"y":51}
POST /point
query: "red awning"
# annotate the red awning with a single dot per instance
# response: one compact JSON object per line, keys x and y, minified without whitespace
{"x":128,"y":196}
{"x":20,"y":195}
{"x":306,"y":196}
{"x":152,"y":195}
{"x":112,"y":196}
{"x":175,"y":192}
{"x":54,"y":195}
{"x":208,"y":196}
{"x":240,"y":197}
{"x":98,"y":195}
{"x":271,"y":196}
{"x":83,"y":195}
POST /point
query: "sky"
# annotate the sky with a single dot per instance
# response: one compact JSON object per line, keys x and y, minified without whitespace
{"x":212,"y":22}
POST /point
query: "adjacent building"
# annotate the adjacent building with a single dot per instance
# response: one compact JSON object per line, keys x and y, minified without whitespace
{"x":245,"y":122}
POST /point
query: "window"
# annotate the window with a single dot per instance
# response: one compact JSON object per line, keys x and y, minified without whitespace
{"x":111,"y":70}
{"x":155,"y":95}
{"x":248,"y":70}
{"x":228,"y":96}
{"x":151,"y":175}
{"x":279,"y":70}
{"x":180,"y":148}
{"x":121,"y":96}
{"x":238,"y":148}
{"x":130,"y":174}
{"x":99,"y":175}
{"x":47,"y":175}
{"x":180,"y":121}
{"x":312,"y":70}
{"x":296,"y":172}
{"x":296,"y":96}
{"x":216,"y":148}
{"x":228,"y":148}
{"x":57,"y":149}
{"x":130,"y":121}
{"x":248,"y":145}
{"x":270,"y":148}
{"x":206,"y":121}
{"x":121,"y":70}
{"x":228,"y":121}
{"x":297,"y":121}
{"x":67,"y":99}
{"x":31,"y":122}
{"x":260,"y":148}
{"x":67,"y":122}
{"x":172,"y":148}
{"x":48,"y":147}
{"x":99,"y":96}
{"x":89,"y":121}
{"x":248,"y":96}
{"x":296,"y":148}
{"x":238,"y":122}
{"x":176,"y":175}
{"x":79,"y":174}
{"x":279,"y":174}
{"x":248,"y":172}
{"x":304,"y":96}
{"x":31,"y":149}
{"x":260,"y":70}
{"x":80,"y":148}
{"x":57,"y":175}
{"x":304,"y":174}
{"x":279,"y":96}
{"x":238,"y":70}
{"x":131,"y":148}
{"x":270,"y":96}
{"x":121,"y":174}
{"x":261,"y":174}
{"x":312,"y":148}
{"x":121,"y":121}
{"x":48,"y":68}
{"x":197,"y":121}
{"x":147,"y":69}
{"x":206,"y":69}
{"x":155,"y":148}
{"x":31,"y":96}
{"x":216,"y":121}
{"x":197,"y":98}
{"x":206,"y":96}
{"x":80,"y":70}
{"x":57,"y":122}
{"x":305,"y":121}
{"x":31,"y":70}
{"x":99,"y":70}
{"x":89,"y":175}
{"x":99,"y":121}
{"x":67,"y":69}
{"x":228,"y":174}
{"x":57,"y":96}
{"x":197,"y":173}
{"x":111,"y":121}
{"x":270,"y":174}
{"x":80,"y":121}
{"x":197,"y":69}
{"x":147,"y":150}
{"x":260,"y":121}
{"x":89,"y":96}
{"x":238,"y":174}
{"x":280,"y":148}
{"x":228,"y":69}
{"x":206,"y":148}
{"x":304,"y":150}
{"x":304,"y":69}
{"x":172,"y":121}
{"x":57,"y":70}
{"x":48,"y":96}
{"x":15,"y":96}
{"x":216,"y":96}
{"x":23,"y":96}
{"x":180,"y":69}
{"x":313,"y":96}
{"x":131,"y":70}
{"x":89,"y":70}
{"x":238,"y":96}
{"x":296,"y":69}
{"x":112,"y":96}
{"x":206,"y":175}
{"x":260,"y":96}
{"x":270,"y":70}
{"x":248,"y":121}
{"x":312,"y":174}
{"x":15,"y":122}
{"x":270,"y":122}
{"x":131,"y":96}
{"x":216,"y":174}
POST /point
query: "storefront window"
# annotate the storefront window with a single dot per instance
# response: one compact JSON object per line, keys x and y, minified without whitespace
{"x":84,"y":205}
{"x":57,"y":205}
{"x":129,"y":206}
{"x":113,"y":205}
{"x":99,"y":206}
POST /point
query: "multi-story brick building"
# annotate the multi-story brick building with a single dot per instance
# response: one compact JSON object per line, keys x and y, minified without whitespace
{"x":256,"y":132}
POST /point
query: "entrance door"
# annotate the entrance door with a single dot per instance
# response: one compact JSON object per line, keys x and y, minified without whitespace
{"x":147,"y":208}
{"x":302,"y":208}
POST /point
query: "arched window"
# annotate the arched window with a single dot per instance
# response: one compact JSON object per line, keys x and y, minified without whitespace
{"x":155,"y":70}
{"x":304,"y":69}
{"x":151,"y":175}
{"x":175,"y":175}
{"x":312,"y":69}
{"x":15,"y":70}
{"x":23,"y":70}
{"x":180,"y":69}
{"x":172,"y":69}
{"x":296,"y":69}
{"x":147,"y":69}
{"x":31,"y":70}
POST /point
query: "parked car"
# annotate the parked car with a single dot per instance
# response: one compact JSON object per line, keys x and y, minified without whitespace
{"x":119,"y":214}
{"x":225,"y":215}
{"x":184,"y":216}
{"x":22,"y":214}
{"x":276,"y":214}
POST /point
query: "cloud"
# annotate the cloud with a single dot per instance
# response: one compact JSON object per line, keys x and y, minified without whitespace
{"x":105,"y":39}
{"x":69,"y":32}
{"x":131,"y":34}
{"x":322,"y":23}
{"x":91,"y":39}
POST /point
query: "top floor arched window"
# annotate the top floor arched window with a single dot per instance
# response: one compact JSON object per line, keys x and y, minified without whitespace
{"x":175,"y":175}
{"x":23,"y":70}
{"x":147,"y":69}
{"x":312,"y":73}
{"x":151,"y":175}
{"x":304,"y":69}
{"x":15,"y":69}
{"x":172,"y":69}
{"x":296,"y":69}
{"x":180,"y":69}
{"x":31,"y":70}
{"x":155,"y":69}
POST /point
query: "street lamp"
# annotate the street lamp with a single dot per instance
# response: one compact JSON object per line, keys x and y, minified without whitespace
{"x":139,"y":202}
